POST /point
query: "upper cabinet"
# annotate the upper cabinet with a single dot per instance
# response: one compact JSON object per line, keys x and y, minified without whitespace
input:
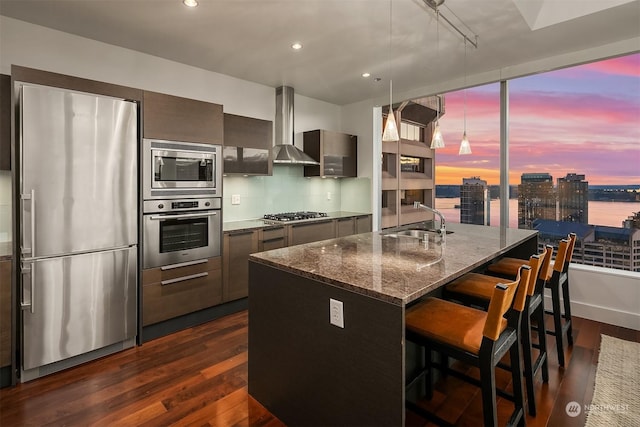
{"x":181,"y":119}
{"x":5,"y":122}
{"x":247,"y":145}
{"x":337,"y":153}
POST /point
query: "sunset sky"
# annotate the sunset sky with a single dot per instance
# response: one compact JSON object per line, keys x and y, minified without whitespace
{"x":583,"y":119}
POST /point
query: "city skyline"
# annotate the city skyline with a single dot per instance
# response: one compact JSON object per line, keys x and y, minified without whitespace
{"x":583,"y":120}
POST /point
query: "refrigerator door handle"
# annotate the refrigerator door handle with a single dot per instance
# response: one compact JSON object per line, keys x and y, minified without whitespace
{"x":28,"y":305}
{"x":32,"y":206}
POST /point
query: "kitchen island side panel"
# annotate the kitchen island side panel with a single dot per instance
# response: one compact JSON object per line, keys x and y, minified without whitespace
{"x":309,"y":372}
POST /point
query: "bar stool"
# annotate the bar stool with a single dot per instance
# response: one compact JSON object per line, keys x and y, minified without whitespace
{"x":476,"y":289}
{"x":557,"y":281}
{"x":479,"y":338}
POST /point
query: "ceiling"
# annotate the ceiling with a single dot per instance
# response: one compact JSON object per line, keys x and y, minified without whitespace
{"x":251,"y":39}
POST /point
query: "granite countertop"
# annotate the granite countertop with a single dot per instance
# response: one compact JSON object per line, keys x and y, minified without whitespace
{"x":250,"y":224}
{"x":396,"y":270}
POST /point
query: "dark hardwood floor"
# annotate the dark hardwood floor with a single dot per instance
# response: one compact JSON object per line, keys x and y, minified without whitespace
{"x":199,"y":377}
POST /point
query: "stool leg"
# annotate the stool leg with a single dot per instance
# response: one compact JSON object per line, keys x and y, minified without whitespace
{"x":557,"y":323}
{"x":428,"y":381}
{"x":542,"y":338}
{"x":525,"y":334}
{"x":516,"y":377}
{"x":488,"y":387}
{"x":567,"y":310}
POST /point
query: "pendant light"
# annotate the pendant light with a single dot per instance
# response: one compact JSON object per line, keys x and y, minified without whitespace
{"x":390,"y":133}
{"x":465,"y":147}
{"x":436,"y":139}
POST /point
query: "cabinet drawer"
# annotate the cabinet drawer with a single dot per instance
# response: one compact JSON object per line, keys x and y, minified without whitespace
{"x":363,"y":224}
{"x":312,"y":232}
{"x":277,"y":243}
{"x":345,"y":227}
{"x":176,"y":296}
{"x":272,"y":233}
{"x":170,"y":272}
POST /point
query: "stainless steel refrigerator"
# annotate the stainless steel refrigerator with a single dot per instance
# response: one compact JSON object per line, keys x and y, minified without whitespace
{"x":78,"y":227}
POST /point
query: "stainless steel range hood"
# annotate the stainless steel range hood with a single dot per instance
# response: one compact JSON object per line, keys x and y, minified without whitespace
{"x":284,"y":151}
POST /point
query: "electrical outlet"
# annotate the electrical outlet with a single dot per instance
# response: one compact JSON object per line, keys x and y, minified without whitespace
{"x":329,"y":195}
{"x":235,"y":199}
{"x":336,"y":314}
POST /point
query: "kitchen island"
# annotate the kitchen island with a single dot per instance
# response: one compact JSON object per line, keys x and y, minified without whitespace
{"x":307,"y":371}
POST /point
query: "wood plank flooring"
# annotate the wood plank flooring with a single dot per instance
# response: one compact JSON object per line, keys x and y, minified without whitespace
{"x":199,"y":377}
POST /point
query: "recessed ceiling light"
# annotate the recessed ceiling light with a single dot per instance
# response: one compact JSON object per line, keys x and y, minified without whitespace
{"x":296,"y":46}
{"x":366,"y":74}
{"x":190,"y":3}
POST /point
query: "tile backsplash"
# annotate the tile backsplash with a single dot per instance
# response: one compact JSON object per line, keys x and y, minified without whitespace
{"x":288,"y":190}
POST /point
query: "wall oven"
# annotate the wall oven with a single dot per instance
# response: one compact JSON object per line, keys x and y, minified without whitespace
{"x":178,"y":231}
{"x":174,"y":169}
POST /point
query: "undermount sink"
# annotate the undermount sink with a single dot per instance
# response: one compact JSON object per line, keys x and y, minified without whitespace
{"x":414,"y":233}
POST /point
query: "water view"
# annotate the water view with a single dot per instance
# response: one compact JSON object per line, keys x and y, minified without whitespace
{"x":600,"y":213}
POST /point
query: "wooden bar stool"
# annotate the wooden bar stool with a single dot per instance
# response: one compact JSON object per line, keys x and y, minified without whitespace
{"x":557,"y":281}
{"x":476,"y":289}
{"x":479,"y":338}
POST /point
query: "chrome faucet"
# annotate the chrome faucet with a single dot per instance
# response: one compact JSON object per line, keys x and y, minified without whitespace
{"x":442,"y":229}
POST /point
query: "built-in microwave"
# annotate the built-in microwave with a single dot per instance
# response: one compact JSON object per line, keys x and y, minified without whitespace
{"x":181,"y":169}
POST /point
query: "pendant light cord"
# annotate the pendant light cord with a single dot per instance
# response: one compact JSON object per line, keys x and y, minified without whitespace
{"x":465,"y":86}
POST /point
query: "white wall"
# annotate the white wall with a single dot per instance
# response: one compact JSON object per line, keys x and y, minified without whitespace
{"x":604,"y":294}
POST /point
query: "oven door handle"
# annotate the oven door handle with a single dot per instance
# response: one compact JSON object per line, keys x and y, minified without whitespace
{"x":180,"y":216}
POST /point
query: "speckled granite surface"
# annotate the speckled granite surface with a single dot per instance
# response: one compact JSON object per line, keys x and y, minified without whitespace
{"x":397,"y":270}
{"x":258,"y":223}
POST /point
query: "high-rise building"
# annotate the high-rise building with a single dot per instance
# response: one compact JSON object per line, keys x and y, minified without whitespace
{"x":573,"y":199}
{"x":632,"y":221}
{"x":474,"y":201}
{"x":536,"y":199}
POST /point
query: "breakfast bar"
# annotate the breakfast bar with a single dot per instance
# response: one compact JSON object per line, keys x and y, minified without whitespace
{"x":306,"y":369}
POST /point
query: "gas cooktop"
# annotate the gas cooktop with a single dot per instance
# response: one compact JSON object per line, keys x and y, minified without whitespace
{"x":294,"y":216}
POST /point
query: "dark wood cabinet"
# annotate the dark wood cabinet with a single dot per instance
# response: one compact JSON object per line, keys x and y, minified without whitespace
{"x":5,"y":122}
{"x":272,"y":238}
{"x":238,"y":245}
{"x":311,"y":232}
{"x":337,"y":153}
{"x":345,"y":226}
{"x":5,"y":313}
{"x":363,"y":224}
{"x":247,"y":145}
{"x":181,"y":119}
{"x":169,"y":292}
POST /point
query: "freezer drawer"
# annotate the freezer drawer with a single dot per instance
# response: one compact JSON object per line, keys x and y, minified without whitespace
{"x":75,"y":304}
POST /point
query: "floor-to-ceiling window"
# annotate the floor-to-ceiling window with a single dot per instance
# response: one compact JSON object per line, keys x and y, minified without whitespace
{"x":467,"y":186}
{"x":574,"y":141}
{"x":574,"y":151}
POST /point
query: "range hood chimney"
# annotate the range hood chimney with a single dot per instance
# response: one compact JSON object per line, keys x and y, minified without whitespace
{"x":285,"y":152}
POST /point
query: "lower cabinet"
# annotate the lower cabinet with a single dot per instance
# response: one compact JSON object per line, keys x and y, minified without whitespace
{"x":345,"y":227}
{"x":5,"y":313}
{"x":238,"y":245}
{"x":311,"y":232}
{"x":175,"y":290}
{"x":272,"y":238}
